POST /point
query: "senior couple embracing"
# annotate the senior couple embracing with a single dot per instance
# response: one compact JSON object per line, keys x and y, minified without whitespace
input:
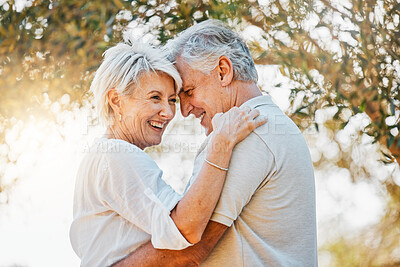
{"x":251,"y":198}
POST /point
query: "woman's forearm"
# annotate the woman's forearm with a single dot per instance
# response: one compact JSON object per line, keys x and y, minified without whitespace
{"x":192,"y":213}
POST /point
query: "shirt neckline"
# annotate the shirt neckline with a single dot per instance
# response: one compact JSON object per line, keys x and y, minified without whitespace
{"x":258,"y":101}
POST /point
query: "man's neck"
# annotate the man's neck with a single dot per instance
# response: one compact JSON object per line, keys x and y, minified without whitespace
{"x":244,"y":91}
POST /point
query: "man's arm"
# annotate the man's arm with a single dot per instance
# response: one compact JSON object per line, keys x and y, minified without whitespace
{"x":147,"y":255}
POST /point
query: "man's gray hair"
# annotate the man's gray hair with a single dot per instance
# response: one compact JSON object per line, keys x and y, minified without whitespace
{"x":122,"y":68}
{"x":203,"y":44}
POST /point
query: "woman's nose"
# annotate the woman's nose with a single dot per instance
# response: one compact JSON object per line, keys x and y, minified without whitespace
{"x":167,"y":111}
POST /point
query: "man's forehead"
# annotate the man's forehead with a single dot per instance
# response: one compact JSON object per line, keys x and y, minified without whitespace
{"x":181,"y":64}
{"x":185,"y":72}
{"x":187,"y":82}
{"x":191,"y":77}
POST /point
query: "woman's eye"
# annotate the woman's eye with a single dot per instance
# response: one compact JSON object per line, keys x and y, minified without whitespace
{"x":156,"y":97}
{"x":173,"y":100}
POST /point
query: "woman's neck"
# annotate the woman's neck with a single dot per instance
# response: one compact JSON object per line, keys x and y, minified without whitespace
{"x":115,"y":132}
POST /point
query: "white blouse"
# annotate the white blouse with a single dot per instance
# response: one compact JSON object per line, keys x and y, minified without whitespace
{"x":120,"y":203}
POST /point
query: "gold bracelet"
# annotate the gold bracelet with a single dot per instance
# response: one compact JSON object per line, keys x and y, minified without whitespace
{"x":216,"y":166}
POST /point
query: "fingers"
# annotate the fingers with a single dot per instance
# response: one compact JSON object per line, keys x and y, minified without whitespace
{"x":243,"y":117}
{"x":254,"y":113}
{"x":245,"y":109}
{"x":249,"y":112}
{"x":254,"y":120}
{"x":260,"y":120}
{"x":237,"y":123}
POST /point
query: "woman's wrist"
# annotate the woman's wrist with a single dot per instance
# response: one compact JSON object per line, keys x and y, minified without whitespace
{"x":219,"y":151}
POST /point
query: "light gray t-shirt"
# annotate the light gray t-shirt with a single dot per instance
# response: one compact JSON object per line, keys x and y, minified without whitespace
{"x":268,"y":200}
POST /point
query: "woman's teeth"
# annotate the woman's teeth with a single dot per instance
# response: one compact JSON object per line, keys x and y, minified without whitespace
{"x":202,"y":115}
{"x":157,"y":124}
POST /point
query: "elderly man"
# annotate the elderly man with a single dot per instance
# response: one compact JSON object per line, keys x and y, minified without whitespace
{"x":266,"y":213}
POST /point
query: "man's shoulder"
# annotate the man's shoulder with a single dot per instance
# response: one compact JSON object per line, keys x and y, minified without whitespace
{"x":254,"y":151}
{"x":281,"y":135}
{"x":253,"y":141}
{"x":277,"y":121}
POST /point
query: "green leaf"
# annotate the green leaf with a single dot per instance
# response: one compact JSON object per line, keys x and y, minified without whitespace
{"x":392,"y":107}
{"x":363,"y":106}
{"x":389,"y":141}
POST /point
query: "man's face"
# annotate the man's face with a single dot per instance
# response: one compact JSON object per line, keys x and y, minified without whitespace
{"x":201,"y":95}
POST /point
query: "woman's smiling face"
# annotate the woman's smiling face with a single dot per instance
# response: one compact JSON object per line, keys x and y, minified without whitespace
{"x":148,"y":110}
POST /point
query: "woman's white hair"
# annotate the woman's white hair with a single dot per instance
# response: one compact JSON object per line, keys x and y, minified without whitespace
{"x":121,"y":69}
{"x":203,"y":44}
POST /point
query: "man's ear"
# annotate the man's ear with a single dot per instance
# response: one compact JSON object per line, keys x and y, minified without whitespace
{"x":114,"y":100}
{"x":225,"y":70}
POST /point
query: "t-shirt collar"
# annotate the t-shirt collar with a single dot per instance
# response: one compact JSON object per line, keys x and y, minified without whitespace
{"x":258,"y":101}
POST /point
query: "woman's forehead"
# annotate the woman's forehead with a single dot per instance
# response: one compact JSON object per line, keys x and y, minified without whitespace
{"x":153,"y":82}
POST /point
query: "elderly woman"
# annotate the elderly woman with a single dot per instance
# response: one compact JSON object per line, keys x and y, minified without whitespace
{"x":120,"y":200}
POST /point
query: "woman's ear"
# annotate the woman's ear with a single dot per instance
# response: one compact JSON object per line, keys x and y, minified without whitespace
{"x":114,"y":100}
{"x":225,"y":70}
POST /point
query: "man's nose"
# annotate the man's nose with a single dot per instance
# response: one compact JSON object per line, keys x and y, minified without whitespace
{"x":186,"y":107}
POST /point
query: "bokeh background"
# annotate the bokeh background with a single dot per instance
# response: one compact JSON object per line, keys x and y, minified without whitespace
{"x":333,"y":67}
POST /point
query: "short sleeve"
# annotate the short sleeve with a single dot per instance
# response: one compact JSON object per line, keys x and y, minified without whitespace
{"x":133,"y":188}
{"x":249,"y":168}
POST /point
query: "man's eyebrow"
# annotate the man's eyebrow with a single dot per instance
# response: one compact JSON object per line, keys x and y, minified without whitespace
{"x":154,"y":91}
{"x":183,"y":87}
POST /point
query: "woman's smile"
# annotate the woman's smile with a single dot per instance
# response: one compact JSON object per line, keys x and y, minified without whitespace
{"x":158,"y":126}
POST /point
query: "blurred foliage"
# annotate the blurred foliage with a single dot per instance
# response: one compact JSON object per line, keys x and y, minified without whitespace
{"x":343,"y":55}
{"x":50,"y":48}
{"x":376,"y":246}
